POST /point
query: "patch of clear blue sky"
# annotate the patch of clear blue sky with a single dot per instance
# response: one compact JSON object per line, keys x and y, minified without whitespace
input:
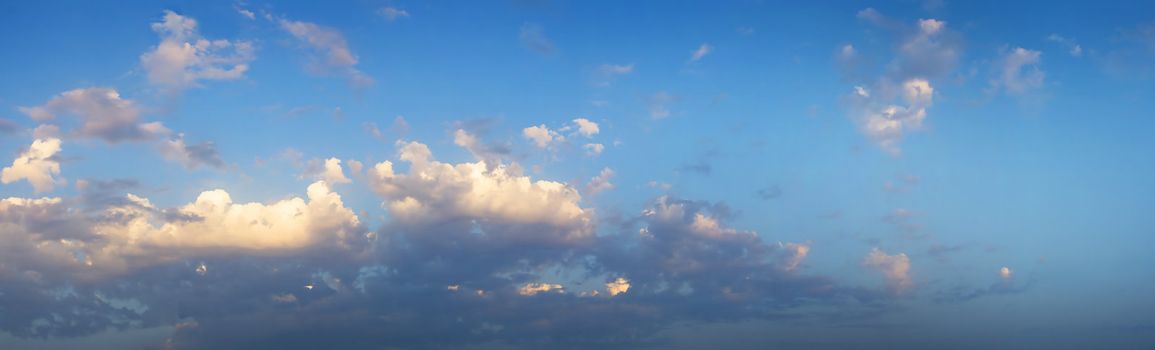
{"x":1060,"y":189}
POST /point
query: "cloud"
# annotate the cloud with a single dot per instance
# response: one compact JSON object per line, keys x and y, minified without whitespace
{"x":928,"y":52}
{"x":618,"y":286}
{"x":393,"y":13}
{"x":183,"y":57}
{"x":1006,"y":273}
{"x":330,"y":49}
{"x":533,"y":37}
{"x":605,"y":74}
{"x":797,"y":253}
{"x":585,"y":127}
{"x":246,"y":13}
{"x":8,"y":126}
{"x":702,"y":51}
{"x":289,"y":224}
{"x":659,"y":104}
{"x":925,"y":51}
{"x":105,"y":115}
{"x":70,"y":271}
{"x":1019,"y":72}
{"x":333,"y":173}
{"x":1073,"y":47}
{"x":38,"y":165}
{"x":601,"y":182}
{"x":191,"y":156}
{"x":542,"y":136}
{"x":534,"y":288}
{"x":433,"y":191}
{"x":886,"y":123}
{"x":594,"y":149}
{"x":492,"y":154}
{"x":895,"y":269}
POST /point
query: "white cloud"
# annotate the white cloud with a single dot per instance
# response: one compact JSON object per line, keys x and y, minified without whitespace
{"x":895,"y":268}
{"x":594,"y":149}
{"x":433,"y":191}
{"x":333,"y":173}
{"x":331,"y":46}
{"x":601,"y":182}
{"x":1006,"y":273}
{"x":586,"y":127}
{"x":393,"y":13}
{"x":702,"y":51}
{"x":219,"y":222}
{"x":104,"y":113}
{"x":183,"y":57}
{"x":134,"y":233}
{"x":38,"y":165}
{"x":1019,"y":71}
{"x":542,"y":136}
{"x":886,"y":123}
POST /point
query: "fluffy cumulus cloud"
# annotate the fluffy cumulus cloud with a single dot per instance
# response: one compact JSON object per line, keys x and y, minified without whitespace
{"x":894,"y":268}
{"x":585,"y":127}
{"x":38,"y":165}
{"x":184,"y":57}
{"x":333,"y":173}
{"x":103,"y":114}
{"x":469,"y":253}
{"x":330,"y":49}
{"x":73,"y":266}
{"x":434,"y":191}
{"x":542,"y":136}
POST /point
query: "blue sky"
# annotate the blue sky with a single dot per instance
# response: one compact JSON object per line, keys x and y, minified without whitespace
{"x":562,"y":174}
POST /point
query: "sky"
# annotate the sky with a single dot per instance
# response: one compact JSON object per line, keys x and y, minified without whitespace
{"x":407,"y":174}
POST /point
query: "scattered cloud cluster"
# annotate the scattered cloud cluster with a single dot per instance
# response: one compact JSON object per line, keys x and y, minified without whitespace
{"x":184,"y":57}
{"x":543,"y":137}
{"x":925,"y":51}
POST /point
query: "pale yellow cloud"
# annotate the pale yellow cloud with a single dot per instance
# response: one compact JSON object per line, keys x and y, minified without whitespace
{"x":37,"y":165}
